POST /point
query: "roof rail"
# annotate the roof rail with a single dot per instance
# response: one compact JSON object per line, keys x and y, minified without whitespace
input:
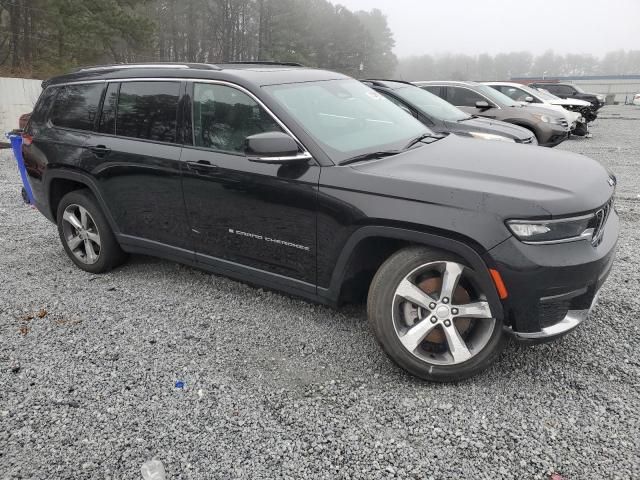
{"x":377,"y":81}
{"x":265,"y":62}
{"x":118,"y":66}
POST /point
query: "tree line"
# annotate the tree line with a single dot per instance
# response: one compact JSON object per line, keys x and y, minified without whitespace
{"x":40,"y":38}
{"x":504,"y":66}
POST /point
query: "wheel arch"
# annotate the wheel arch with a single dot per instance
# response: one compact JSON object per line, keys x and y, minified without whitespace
{"x":392,"y":239}
{"x":61,"y":181}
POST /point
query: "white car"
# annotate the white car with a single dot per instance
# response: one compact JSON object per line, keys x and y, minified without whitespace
{"x":636,"y":99}
{"x":571,"y":107}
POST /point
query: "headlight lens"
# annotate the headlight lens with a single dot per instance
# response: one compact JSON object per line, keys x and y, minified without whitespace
{"x":547,"y":118}
{"x":490,"y":136}
{"x":552,"y":231}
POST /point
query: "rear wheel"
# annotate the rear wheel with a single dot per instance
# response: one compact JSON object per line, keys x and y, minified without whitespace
{"x":431,"y":316}
{"x":86,"y":235}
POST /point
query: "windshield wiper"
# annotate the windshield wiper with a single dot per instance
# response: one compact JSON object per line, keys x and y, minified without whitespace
{"x":422,"y":137}
{"x":370,"y":156}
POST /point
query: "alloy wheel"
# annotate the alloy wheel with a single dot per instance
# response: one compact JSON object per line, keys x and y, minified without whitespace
{"x":440,"y":314}
{"x":81,"y":234}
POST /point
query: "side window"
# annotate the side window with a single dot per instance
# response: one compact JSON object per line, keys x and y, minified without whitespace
{"x":434,"y":89}
{"x":108,"y":116}
{"x":76,"y":106}
{"x":148,"y":110}
{"x":463,"y":97}
{"x":44,"y":104}
{"x":223,"y":117}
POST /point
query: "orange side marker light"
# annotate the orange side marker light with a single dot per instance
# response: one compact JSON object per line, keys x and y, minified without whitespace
{"x":499,"y":283}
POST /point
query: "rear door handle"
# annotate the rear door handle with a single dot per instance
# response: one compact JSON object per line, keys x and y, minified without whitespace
{"x":202,"y":166}
{"x":99,"y":150}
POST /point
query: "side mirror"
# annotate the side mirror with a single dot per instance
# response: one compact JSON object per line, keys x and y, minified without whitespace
{"x":529,"y":99}
{"x":483,"y":105}
{"x":273,"y":147}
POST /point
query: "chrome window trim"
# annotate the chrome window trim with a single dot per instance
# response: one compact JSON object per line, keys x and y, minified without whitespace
{"x":199,"y":80}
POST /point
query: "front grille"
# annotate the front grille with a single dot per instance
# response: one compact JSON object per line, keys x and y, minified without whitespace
{"x":598,"y":222}
{"x":553,"y":312}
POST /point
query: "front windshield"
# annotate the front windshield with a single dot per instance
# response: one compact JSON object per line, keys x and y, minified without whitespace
{"x":500,"y":98}
{"x":347,"y":118}
{"x":431,"y":104}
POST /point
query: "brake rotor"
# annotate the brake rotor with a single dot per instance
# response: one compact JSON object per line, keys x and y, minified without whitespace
{"x":460,"y":296}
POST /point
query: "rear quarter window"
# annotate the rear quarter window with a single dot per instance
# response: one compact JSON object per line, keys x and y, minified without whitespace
{"x":76,"y":106}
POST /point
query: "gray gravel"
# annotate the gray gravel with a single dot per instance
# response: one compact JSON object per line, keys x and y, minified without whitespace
{"x":275,"y":387}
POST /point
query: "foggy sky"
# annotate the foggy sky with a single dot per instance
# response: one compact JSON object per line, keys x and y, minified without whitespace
{"x":496,"y":26}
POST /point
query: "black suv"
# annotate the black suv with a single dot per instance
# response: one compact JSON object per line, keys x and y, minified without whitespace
{"x":567,"y":90}
{"x":308,"y":181}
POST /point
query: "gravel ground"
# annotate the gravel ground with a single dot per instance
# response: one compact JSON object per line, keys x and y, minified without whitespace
{"x":275,"y":387}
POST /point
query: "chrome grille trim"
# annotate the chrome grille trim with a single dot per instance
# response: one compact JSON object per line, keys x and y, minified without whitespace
{"x":601,"y":216}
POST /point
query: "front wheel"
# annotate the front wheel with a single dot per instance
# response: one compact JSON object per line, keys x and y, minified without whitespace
{"x":431,"y":315}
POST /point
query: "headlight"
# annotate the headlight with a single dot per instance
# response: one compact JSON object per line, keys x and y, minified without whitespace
{"x":547,"y":118}
{"x":490,"y":136}
{"x":602,"y":98}
{"x":553,"y":231}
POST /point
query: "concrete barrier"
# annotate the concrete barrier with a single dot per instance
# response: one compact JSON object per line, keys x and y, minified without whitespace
{"x":17,"y":96}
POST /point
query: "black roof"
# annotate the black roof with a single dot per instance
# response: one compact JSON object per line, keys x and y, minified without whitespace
{"x":252,"y":73}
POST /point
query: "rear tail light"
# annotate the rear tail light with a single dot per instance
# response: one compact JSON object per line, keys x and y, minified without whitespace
{"x":27,"y":139}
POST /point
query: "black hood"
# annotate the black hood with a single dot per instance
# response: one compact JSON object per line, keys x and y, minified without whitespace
{"x":487,"y":125}
{"x":503,"y":179}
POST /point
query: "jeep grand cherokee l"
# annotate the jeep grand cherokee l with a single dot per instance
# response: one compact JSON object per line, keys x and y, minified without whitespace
{"x":309,"y":182}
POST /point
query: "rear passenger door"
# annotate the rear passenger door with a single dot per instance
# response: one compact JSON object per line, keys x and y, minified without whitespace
{"x":136,"y":160}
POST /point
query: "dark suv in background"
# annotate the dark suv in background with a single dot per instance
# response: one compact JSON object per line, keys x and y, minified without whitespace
{"x":442,"y":117}
{"x":549,"y":128}
{"x":567,"y":90}
{"x":308,"y":181}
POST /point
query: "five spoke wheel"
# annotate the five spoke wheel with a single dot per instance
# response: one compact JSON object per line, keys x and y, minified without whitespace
{"x":81,"y":234}
{"x":440,"y":315}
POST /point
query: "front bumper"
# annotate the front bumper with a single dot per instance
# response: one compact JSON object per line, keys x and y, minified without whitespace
{"x":551,"y":135}
{"x":552,"y":288}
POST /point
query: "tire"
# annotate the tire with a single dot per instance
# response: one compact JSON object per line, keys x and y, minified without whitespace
{"x":87,"y":237}
{"x":392,"y":320}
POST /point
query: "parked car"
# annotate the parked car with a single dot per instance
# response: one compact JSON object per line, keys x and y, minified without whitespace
{"x":442,"y":117}
{"x":568,"y":90}
{"x":636,"y":99}
{"x":549,"y":128}
{"x":575,"y":111}
{"x":309,"y":182}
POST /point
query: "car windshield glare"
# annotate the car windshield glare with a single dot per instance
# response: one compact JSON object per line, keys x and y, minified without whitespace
{"x":346,"y":117}
{"x":431,"y":104}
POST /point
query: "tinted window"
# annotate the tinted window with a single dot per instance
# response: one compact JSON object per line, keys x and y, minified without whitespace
{"x":108,"y":115}
{"x":463,"y":97}
{"x":148,"y":110}
{"x":44,"y":104}
{"x":433,"y":89}
{"x":76,"y":106}
{"x":223,"y":117}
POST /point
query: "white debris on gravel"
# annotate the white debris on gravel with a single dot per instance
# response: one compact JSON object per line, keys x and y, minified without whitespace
{"x":275,"y":387}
